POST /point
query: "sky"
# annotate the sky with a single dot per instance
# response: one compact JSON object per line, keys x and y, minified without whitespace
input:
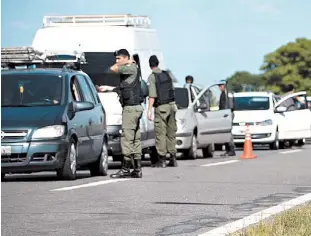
{"x":207,"y":39}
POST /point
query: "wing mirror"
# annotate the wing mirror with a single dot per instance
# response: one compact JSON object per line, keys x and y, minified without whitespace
{"x":281,"y":109}
{"x":202,"y":107}
{"x":78,"y":106}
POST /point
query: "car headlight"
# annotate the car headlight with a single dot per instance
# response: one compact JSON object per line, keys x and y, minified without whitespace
{"x":266,"y":122}
{"x":53,"y":131}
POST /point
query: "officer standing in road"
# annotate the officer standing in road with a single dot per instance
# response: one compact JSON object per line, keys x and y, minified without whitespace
{"x":162,"y":98}
{"x":130,"y":98}
{"x":223,"y":105}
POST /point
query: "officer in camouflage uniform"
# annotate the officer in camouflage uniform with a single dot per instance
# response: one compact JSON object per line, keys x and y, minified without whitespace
{"x":162,"y":97}
{"x":130,"y":98}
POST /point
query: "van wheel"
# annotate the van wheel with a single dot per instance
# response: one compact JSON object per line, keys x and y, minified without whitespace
{"x":191,"y":153}
{"x":100,"y":167}
{"x":208,"y":152}
{"x":69,"y":170}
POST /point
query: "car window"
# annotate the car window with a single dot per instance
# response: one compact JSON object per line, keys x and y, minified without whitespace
{"x":75,"y":90}
{"x":213,"y":96}
{"x":85,"y":88}
{"x":93,"y":89}
{"x":295,"y":103}
{"x":31,"y":90}
{"x":181,"y":98}
{"x":251,"y":103}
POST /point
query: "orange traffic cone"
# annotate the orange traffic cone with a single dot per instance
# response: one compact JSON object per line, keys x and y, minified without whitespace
{"x":248,"y":146}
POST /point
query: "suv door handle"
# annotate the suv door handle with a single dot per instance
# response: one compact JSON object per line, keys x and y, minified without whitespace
{"x":226,"y":115}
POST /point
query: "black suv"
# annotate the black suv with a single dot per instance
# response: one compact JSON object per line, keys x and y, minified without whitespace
{"x":52,"y":120}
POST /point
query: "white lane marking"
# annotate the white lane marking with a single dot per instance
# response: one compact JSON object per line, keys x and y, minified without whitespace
{"x":220,"y":163}
{"x":291,"y":151}
{"x":255,"y":218}
{"x":90,"y":184}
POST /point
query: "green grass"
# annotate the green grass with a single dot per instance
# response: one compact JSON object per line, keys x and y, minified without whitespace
{"x":294,"y":222}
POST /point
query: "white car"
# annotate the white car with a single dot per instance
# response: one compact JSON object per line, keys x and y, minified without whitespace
{"x":271,"y":122}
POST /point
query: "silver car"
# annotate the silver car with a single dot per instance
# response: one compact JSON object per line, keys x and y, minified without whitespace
{"x":200,"y":123}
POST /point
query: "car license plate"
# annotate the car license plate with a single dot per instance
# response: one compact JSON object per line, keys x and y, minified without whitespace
{"x":6,"y":150}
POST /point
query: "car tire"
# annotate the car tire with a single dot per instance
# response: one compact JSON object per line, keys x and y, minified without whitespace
{"x":69,"y":169}
{"x":276,"y":144}
{"x":191,"y":153}
{"x":100,"y":167}
{"x":153,"y":155}
{"x":208,"y":152}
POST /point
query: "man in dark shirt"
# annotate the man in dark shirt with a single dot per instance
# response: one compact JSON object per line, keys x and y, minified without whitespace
{"x":223,"y":105}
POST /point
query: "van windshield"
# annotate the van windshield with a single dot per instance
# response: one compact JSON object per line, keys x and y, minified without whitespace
{"x":251,"y":103}
{"x":181,"y":98}
{"x":30,"y":90}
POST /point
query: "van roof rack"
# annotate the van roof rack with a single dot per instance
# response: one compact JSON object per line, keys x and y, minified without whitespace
{"x":103,"y":20}
{"x":25,"y":56}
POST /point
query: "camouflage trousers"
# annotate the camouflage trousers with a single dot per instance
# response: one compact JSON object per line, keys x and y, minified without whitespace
{"x":130,"y":137}
{"x":165,"y":128}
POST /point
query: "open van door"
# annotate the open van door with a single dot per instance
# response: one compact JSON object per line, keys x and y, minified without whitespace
{"x":293,"y":116}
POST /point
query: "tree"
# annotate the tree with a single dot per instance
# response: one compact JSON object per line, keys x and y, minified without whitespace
{"x":245,"y":81}
{"x":289,"y":64}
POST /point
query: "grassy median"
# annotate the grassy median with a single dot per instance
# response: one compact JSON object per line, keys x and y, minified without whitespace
{"x":294,"y":222}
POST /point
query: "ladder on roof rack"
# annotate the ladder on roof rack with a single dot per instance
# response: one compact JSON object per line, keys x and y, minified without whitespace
{"x":106,"y":20}
{"x":16,"y":56}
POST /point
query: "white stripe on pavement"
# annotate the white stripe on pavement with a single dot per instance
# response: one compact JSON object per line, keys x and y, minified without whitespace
{"x":291,"y":151}
{"x":255,"y":218}
{"x":220,"y":163}
{"x":90,"y":184}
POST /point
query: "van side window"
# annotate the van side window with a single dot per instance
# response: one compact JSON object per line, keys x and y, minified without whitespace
{"x":93,"y":89}
{"x":213,"y":97}
{"x":87,"y":93}
{"x":75,"y":90}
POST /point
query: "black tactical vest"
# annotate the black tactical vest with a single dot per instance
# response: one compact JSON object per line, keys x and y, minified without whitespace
{"x":130,"y":93}
{"x":165,"y":89}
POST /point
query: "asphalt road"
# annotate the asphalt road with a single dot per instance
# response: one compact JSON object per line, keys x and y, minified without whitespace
{"x":187,"y":200}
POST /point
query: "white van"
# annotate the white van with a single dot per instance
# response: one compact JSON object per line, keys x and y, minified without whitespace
{"x":98,"y":37}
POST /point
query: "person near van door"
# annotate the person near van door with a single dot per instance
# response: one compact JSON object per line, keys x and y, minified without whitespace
{"x":130,"y":99}
{"x":223,"y":105}
{"x":162,"y":98}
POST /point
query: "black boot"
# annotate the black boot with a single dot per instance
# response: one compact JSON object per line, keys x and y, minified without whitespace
{"x":172,"y":162}
{"x":137,"y":173}
{"x":162,"y":162}
{"x":124,"y":172}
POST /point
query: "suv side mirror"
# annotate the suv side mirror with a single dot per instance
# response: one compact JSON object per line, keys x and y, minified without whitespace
{"x":281,"y":109}
{"x":83,"y":106}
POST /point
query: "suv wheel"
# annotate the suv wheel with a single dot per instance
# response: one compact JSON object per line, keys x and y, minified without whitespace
{"x":208,"y":152}
{"x":192,"y":151}
{"x":301,"y":142}
{"x":69,"y":170}
{"x":100,"y":167}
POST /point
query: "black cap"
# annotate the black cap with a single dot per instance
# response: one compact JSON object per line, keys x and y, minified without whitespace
{"x":153,"y":61}
{"x":122,"y":52}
